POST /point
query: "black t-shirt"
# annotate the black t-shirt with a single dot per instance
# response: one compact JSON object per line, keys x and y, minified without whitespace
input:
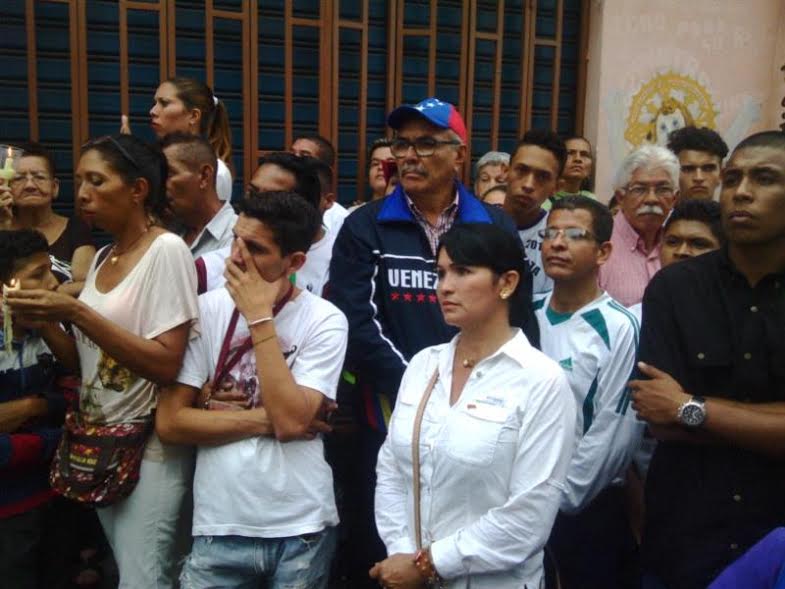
{"x":75,"y":235}
{"x":718,"y":337}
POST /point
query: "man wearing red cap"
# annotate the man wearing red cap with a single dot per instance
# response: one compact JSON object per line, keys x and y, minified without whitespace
{"x":382,"y":276}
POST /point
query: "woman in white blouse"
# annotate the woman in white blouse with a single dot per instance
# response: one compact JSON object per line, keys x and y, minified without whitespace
{"x":131,"y":324}
{"x":495,"y":438}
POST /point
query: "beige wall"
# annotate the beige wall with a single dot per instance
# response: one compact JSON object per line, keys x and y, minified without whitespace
{"x":727,"y":50}
{"x":776,"y":110}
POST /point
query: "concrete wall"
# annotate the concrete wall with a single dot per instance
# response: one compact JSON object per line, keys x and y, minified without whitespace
{"x":656,"y":64}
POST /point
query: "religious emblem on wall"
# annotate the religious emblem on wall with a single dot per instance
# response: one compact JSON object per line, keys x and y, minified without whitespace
{"x":667,"y":102}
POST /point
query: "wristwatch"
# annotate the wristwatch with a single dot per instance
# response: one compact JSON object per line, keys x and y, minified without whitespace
{"x":693,"y":412}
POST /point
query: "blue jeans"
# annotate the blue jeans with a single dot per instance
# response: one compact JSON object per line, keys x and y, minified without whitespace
{"x":301,"y":562}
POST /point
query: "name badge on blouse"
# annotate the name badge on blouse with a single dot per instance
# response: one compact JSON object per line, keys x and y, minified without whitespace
{"x":488,"y":407}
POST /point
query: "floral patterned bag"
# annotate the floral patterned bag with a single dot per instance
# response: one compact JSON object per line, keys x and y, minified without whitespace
{"x":98,"y":464}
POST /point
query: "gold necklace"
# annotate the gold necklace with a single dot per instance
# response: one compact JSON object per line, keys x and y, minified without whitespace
{"x":116,"y":254}
{"x":468,"y":362}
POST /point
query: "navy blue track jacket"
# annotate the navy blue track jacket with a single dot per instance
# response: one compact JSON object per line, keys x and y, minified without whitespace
{"x":383,"y":278}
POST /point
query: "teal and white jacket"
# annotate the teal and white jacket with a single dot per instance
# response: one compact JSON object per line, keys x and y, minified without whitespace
{"x":596,"y":347}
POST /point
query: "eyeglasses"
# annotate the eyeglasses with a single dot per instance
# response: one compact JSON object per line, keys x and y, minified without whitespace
{"x":116,"y":144}
{"x":641,"y":190}
{"x":570,"y":234}
{"x":423,"y":146}
{"x":38,"y":179}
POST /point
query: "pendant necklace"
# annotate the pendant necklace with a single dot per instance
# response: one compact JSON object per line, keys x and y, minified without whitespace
{"x":115,"y":254}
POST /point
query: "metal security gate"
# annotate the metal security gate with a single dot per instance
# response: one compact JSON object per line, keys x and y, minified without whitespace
{"x":336,"y":67}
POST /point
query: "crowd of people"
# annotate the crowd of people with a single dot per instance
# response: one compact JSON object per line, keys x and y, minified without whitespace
{"x":505,"y":387}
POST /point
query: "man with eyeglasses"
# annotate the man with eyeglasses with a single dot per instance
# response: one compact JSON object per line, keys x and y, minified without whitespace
{"x":382,"y":276}
{"x":594,"y":339}
{"x":647,"y":186}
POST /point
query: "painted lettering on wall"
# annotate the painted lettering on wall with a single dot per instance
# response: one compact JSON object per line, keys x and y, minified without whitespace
{"x":782,"y":125}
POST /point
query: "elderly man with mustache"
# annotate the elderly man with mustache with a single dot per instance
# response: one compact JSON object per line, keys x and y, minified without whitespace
{"x":646,"y":187}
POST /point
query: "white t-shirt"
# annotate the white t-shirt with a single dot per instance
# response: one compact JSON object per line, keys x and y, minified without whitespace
{"x":596,"y":347}
{"x":223,"y":181}
{"x":532,"y":244}
{"x":315,"y":273}
{"x":157,"y":295}
{"x":260,"y":487}
{"x":311,"y":277}
{"x":333,"y":218}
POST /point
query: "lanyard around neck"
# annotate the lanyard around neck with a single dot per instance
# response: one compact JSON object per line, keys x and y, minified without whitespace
{"x":226,"y":363}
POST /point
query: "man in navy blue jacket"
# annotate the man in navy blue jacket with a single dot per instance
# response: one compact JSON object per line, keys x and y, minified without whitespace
{"x":382,"y":276}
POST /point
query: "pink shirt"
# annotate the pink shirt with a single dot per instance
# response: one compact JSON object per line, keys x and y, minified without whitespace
{"x":629,"y":269}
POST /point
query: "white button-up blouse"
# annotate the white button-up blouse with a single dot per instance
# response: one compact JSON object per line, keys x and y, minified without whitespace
{"x":492,"y":466}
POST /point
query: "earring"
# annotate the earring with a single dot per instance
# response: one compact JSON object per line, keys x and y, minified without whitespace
{"x":504,"y":295}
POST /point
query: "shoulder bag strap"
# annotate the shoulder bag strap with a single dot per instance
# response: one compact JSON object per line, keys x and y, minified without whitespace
{"x":416,"y":455}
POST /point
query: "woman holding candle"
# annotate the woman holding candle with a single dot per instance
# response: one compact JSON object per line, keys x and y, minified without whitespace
{"x":131,"y":324}
{"x":34,"y":187}
{"x":470,"y":477}
{"x":189,"y":106}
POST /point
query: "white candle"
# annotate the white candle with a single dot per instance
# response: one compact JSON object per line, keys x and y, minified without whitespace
{"x":8,"y":326}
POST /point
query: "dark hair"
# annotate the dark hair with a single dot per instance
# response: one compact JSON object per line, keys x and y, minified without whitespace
{"x":324,"y":173}
{"x":214,"y":124}
{"x":378,"y":143}
{"x":133,"y":158}
{"x":16,"y":246}
{"x":306,"y":180}
{"x":601,"y":218}
{"x":697,"y":139}
{"x":701,"y":211}
{"x":34,"y":149}
{"x":293,"y":221}
{"x":773,"y":139}
{"x":613,"y":202}
{"x":194,"y":150}
{"x":326,"y":151}
{"x":548,"y":140}
{"x":489,"y":246}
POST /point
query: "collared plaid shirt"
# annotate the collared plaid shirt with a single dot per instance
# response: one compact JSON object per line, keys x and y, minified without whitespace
{"x":443,"y":223}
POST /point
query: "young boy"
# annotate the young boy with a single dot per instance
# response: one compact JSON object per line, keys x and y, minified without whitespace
{"x":31,"y":413}
{"x":595,"y":339}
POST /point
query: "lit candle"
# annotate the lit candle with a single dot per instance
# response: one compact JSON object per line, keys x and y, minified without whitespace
{"x":7,"y":171}
{"x":8,"y":327}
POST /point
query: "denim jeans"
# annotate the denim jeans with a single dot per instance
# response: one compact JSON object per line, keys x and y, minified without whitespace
{"x":298,"y":562}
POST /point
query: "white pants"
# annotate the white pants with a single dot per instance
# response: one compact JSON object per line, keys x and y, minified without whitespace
{"x":142,"y":528}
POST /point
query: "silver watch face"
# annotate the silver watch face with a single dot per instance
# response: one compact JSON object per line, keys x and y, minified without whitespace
{"x":692,"y":414}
